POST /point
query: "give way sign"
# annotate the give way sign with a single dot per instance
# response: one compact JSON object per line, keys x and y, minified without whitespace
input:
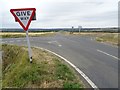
{"x":24,"y":16}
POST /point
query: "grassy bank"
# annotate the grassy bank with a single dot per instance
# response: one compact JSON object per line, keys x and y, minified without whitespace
{"x":46,"y":71}
{"x":0,"y":74}
{"x":0,"y":79}
{"x":19,"y":34}
{"x":111,"y":38}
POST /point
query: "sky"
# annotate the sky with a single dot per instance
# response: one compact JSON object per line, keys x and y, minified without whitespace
{"x":63,"y":13}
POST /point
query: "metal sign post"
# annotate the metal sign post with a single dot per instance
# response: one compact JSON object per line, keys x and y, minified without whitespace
{"x":24,"y":16}
{"x":72,"y":29}
{"x":79,"y":28}
{"x":29,"y":48}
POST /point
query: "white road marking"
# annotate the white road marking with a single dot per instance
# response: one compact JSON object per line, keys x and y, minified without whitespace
{"x":11,"y":41}
{"x":52,"y":41}
{"x":55,"y":42}
{"x":2,"y":42}
{"x":60,"y":45}
{"x":108,"y":54}
{"x":77,"y":69}
{"x":49,"y":42}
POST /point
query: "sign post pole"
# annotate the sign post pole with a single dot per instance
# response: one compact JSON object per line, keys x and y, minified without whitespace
{"x":72,"y":29}
{"x":24,"y":16}
{"x":29,"y":48}
{"x":79,"y":28}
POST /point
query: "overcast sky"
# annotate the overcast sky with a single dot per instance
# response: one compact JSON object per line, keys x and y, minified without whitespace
{"x":63,"y":13}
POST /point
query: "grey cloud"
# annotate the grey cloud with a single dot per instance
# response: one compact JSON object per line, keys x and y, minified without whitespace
{"x":94,"y":3}
{"x":102,"y":17}
{"x":70,"y":13}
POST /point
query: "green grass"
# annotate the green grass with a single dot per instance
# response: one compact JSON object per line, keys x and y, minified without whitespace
{"x":46,"y":71}
{"x":63,"y":72}
{"x":72,"y":85}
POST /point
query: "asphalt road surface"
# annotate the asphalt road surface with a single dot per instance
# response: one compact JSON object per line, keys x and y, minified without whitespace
{"x":98,"y":61}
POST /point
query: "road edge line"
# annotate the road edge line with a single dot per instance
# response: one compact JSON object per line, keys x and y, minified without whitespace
{"x":77,"y":69}
{"x":108,"y":54}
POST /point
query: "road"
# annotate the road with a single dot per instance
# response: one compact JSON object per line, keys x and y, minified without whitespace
{"x":97,"y":60}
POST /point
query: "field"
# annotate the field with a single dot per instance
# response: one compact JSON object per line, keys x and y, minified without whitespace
{"x":21,"y":34}
{"x":46,"y":71}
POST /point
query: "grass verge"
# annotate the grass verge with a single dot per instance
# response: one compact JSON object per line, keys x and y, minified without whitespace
{"x":0,"y":80}
{"x":46,"y":71}
{"x":0,"y":74}
{"x":111,"y":38}
{"x":31,"y":34}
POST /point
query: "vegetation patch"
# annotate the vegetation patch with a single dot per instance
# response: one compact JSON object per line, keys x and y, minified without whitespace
{"x":46,"y":71}
{"x":111,"y":38}
{"x":0,"y":73}
{"x":19,"y":34}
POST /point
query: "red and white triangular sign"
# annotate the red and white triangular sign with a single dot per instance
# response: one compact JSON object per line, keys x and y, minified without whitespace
{"x":24,"y":16}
